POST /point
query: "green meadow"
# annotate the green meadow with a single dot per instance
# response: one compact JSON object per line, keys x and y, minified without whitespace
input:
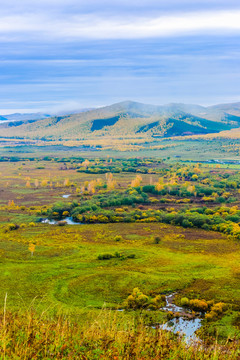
{"x":138,"y":229}
{"x":64,"y":272}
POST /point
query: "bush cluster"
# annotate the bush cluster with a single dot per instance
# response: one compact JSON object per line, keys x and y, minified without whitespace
{"x":117,"y":255}
{"x":138,"y":300}
{"x":211,"y":309}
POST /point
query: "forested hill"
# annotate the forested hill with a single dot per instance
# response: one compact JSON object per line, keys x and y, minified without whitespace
{"x":130,"y":119}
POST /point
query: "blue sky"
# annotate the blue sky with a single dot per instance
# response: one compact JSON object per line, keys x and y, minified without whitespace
{"x":66,"y":55}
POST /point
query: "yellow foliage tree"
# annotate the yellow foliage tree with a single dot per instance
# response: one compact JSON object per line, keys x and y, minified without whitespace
{"x":44,"y":183}
{"x":109,"y":176}
{"x":159,"y":187}
{"x":191,"y":189}
{"x":91,"y":187}
{"x":137,"y":181}
{"x":85,"y":163}
{"x":66,"y":183}
{"x":111,"y":185}
{"x":31,"y":248}
{"x":11,"y":203}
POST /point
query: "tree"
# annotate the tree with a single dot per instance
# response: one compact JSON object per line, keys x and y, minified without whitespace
{"x":31,"y":248}
{"x":137,"y":181}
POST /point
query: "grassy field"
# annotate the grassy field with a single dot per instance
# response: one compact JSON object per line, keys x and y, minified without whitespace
{"x":198,"y":149}
{"x":65,"y":270}
{"x":64,"y":275}
{"x":104,"y":336}
{"x":54,"y":272}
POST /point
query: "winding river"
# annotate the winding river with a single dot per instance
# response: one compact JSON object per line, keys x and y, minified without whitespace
{"x":185,"y":324}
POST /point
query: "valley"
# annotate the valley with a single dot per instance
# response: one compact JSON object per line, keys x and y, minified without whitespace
{"x":158,"y":226}
{"x":108,"y":214}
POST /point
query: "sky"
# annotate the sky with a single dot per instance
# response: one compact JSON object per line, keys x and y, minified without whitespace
{"x":63,"y":55}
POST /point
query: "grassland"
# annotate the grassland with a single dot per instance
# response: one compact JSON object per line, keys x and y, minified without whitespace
{"x":65,"y":268}
{"x":55,"y":281}
{"x":178,"y":148}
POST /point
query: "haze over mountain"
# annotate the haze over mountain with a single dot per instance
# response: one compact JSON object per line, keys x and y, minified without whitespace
{"x":18,"y":119}
{"x":130,"y":119}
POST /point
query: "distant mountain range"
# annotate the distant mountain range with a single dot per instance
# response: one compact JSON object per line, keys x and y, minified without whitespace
{"x":125,"y":120}
{"x":19,"y":118}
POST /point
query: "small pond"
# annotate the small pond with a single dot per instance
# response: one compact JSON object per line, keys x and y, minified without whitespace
{"x":185,"y":327}
{"x":68,"y":220}
{"x":66,"y":196}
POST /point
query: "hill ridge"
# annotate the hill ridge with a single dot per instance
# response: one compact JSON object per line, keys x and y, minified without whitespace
{"x":130,"y":119}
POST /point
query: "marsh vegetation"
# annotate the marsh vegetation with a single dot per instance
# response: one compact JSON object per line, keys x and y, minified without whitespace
{"x":150,"y":228}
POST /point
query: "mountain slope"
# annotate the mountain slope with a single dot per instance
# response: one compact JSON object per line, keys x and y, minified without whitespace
{"x":127,"y":120}
{"x":232,"y":108}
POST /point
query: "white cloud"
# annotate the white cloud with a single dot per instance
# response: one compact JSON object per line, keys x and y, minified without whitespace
{"x":76,"y":27}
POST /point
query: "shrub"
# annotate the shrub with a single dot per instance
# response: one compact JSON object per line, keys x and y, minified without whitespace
{"x":131,"y":256}
{"x":79,"y":218}
{"x":118,"y":238}
{"x":157,"y":240}
{"x":198,"y":305}
{"x":119,"y":210}
{"x":105,"y":257}
{"x":12,"y":226}
{"x":210,"y":303}
{"x":220,"y":199}
{"x":118,"y":255}
{"x":137,"y":300}
{"x":103,"y":219}
{"x":65,"y":214}
{"x":180,"y":236}
{"x":216,"y":311}
{"x":153,"y":200}
{"x":55,"y":214}
{"x":157,"y":302}
{"x":211,"y":316}
{"x":187,"y":223}
{"x":219,"y":307}
{"x":184,"y":301}
{"x":170,"y":315}
{"x":205,"y":227}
